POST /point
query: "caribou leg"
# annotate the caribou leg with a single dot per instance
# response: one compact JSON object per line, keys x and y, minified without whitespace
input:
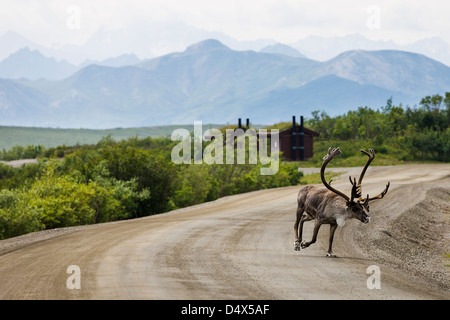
{"x":300,"y":211}
{"x":330,"y":244}
{"x":317,"y":225}
{"x":305,"y":218}
{"x":302,"y":216}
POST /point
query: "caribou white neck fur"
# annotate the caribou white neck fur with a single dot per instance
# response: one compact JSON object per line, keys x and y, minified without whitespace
{"x":341,"y":219}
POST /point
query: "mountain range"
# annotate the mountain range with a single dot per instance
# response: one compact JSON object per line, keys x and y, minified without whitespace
{"x":325,"y":48}
{"x":211,"y":82}
{"x":148,"y":39}
{"x":33,"y":65}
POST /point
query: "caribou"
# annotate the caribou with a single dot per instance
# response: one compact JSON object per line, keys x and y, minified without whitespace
{"x":331,"y":206}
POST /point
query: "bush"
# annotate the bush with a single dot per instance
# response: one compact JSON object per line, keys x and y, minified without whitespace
{"x":55,"y":201}
{"x":150,"y":171}
{"x":15,"y":218}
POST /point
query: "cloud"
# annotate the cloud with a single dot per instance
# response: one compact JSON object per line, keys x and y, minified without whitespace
{"x":284,"y":20}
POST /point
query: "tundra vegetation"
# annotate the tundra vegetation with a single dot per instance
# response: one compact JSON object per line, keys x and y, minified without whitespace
{"x":135,"y":177}
{"x":114,"y":180}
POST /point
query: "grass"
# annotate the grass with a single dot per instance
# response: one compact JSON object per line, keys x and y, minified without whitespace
{"x":314,"y":178}
{"x":447,"y":260}
{"x":53,"y":137}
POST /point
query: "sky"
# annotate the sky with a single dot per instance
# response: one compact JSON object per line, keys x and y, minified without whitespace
{"x":56,"y":22}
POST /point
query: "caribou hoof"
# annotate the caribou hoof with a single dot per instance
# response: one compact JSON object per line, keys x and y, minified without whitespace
{"x":297,"y":245}
{"x":331,"y":255}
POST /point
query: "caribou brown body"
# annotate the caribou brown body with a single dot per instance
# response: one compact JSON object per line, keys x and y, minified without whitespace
{"x":326,"y":205}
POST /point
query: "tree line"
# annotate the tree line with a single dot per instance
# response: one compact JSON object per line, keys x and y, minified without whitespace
{"x":419,"y":133}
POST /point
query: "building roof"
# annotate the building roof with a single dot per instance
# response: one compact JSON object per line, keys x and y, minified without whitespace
{"x":286,"y":131}
{"x":297,"y":128}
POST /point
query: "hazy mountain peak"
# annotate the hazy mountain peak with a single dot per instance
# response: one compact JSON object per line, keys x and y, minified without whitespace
{"x":388,"y":69}
{"x":26,"y":51}
{"x":386,"y":54}
{"x":126,"y":59}
{"x":279,"y":48}
{"x":326,"y":48}
{"x":32,"y":64}
{"x":206,"y":45}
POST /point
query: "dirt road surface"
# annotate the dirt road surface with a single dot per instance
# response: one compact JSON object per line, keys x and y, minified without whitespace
{"x":241,"y":247}
{"x":18,"y":163}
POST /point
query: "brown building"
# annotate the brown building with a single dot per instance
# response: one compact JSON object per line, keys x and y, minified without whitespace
{"x":296,"y":142}
{"x":291,"y":144}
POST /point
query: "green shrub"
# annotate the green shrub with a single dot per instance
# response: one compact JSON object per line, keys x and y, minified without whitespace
{"x":56,"y":200}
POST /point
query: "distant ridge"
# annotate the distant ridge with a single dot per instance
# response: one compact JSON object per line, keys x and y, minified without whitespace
{"x":280,"y":48}
{"x":31,"y":64}
{"x":211,"y":82}
{"x":209,"y":44}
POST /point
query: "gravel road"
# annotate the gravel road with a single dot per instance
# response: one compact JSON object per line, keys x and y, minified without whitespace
{"x":18,"y":163}
{"x":241,"y":247}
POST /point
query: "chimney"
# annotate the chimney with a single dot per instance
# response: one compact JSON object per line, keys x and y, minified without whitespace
{"x":302,"y":140}
{"x":294,"y":140}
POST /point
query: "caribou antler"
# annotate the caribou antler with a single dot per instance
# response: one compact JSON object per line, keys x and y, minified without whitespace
{"x":371,"y":155}
{"x":381,"y":195}
{"x":356,"y":192}
{"x":333,"y":153}
{"x":365,"y":202}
